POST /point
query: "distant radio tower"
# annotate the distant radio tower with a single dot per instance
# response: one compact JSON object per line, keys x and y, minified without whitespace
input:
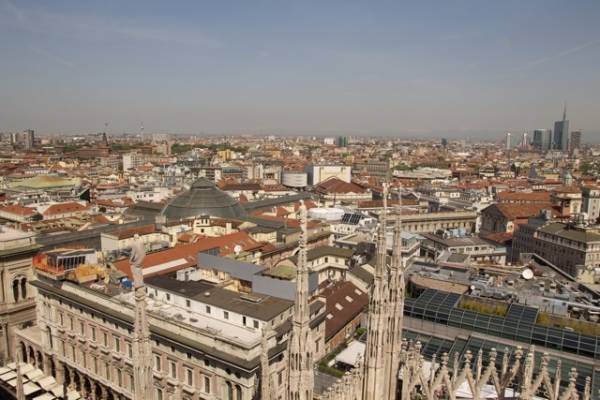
{"x":508,"y":146}
{"x":142,"y":131}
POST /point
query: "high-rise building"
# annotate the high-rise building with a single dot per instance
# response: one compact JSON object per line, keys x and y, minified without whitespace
{"x":575,"y":141}
{"x":342,"y":141}
{"x":542,"y":139}
{"x":525,"y":140}
{"x":561,"y":133}
{"x":508,"y":141}
{"x":24,"y":140}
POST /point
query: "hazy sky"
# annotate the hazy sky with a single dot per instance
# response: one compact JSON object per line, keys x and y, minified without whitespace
{"x":323,"y":66}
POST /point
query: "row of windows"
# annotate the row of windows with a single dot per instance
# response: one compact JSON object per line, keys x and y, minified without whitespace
{"x":188,"y":373}
{"x":110,"y":340}
{"x":96,"y":365}
{"x":91,"y":332}
{"x":208,"y":310}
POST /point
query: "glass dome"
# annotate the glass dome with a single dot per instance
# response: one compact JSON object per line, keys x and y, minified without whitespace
{"x":203,"y":198}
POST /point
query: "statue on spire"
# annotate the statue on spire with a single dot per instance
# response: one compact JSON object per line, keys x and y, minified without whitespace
{"x":301,"y":343}
{"x":142,"y":349}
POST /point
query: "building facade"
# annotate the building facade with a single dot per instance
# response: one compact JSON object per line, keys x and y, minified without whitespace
{"x":591,"y":202}
{"x":18,"y":305}
{"x":571,"y":247}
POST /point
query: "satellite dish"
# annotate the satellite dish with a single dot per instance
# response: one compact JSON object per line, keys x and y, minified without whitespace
{"x":527,"y":274}
{"x":237,"y":249}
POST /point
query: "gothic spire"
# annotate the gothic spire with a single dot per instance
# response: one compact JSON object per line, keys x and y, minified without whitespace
{"x":381,"y":236}
{"x":20,"y":393}
{"x":396,"y":294}
{"x":142,"y":348}
{"x":265,"y":375}
{"x":375,"y":378}
{"x":301,"y":343}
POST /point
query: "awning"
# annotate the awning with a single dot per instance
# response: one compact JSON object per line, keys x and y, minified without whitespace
{"x":47,"y":382}
{"x":30,"y":388}
{"x":45,"y":396}
{"x":26,"y":368}
{"x":8,"y":376}
{"x":35,"y":375}
{"x":73,"y":395}
{"x":4,"y":370}
{"x":351,"y":354}
{"x":57,"y":390}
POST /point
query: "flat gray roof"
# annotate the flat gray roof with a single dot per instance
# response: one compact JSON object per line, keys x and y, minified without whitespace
{"x":255,"y":305}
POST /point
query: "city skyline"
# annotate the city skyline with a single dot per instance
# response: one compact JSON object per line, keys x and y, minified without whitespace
{"x":432,"y":70}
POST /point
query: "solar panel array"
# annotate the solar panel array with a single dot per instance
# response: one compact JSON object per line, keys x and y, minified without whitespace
{"x":522,"y":313}
{"x":351,"y":218}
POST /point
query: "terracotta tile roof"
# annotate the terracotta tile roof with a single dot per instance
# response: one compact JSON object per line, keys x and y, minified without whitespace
{"x":568,"y":189}
{"x":335,"y":185}
{"x":391,"y":202}
{"x":186,"y":237}
{"x":274,"y":188}
{"x":18,"y":210}
{"x":519,"y":211}
{"x":101,"y":219}
{"x":249,"y":186}
{"x":63,"y":208}
{"x":344,"y":302}
{"x":524,"y":197}
{"x":281,"y":212}
{"x":187,"y":253}
{"x":290,"y":222}
{"x":308,"y":203}
{"x":499,"y":237}
{"x":130,"y":232}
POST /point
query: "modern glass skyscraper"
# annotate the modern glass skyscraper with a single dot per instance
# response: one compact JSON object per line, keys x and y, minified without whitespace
{"x":575,"y":141}
{"x":542,"y":139}
{"x":561,"y":133}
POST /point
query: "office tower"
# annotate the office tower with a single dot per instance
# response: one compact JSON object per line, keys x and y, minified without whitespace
{"x":561,"y":133}
{"x":342,"y":141}
{"x":444,"y":142}
{"x":542,"y":139}
{"x":525,"y":140}
{"x":508,"y":141}
{"x":24,"y":140}
{"x":575,"y":141}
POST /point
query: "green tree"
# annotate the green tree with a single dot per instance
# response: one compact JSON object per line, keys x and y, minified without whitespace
{"x":37,"y":217}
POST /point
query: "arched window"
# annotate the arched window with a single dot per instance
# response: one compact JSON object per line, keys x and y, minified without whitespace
{"x":24,"y":288}
{"x":229,"y":391}
{"x":238,"y":392}
{"x":15,"y":288}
